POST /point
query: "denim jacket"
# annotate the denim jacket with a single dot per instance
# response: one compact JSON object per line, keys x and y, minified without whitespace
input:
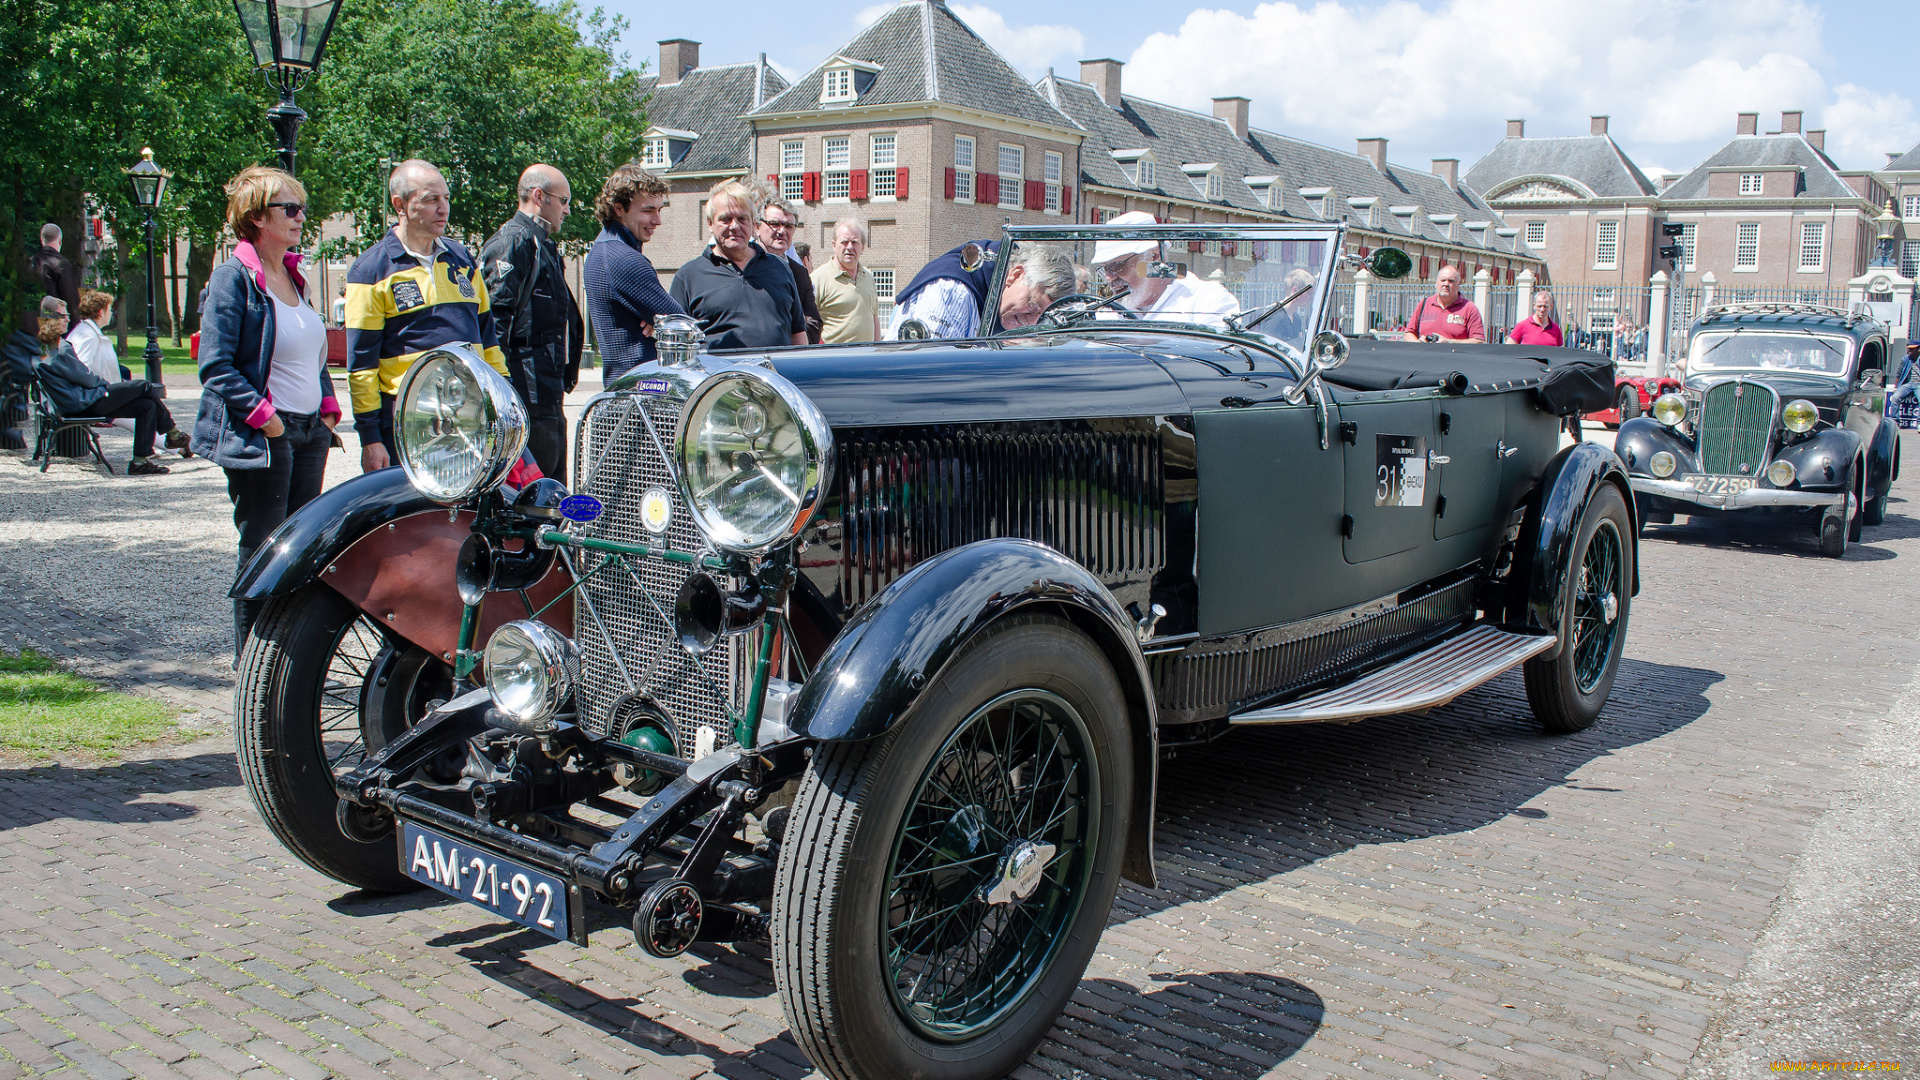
{"x":236,"y":352}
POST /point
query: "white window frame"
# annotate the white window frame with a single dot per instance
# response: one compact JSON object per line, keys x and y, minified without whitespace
{"x":1689,"y":234}
{"x":1752,"y":183}
{"x":883,"y":287}
{"x":836,"y":169}
{"x":1012,"y":195}
{"x":964,"y":159}
{"x":1536,"y":234}
{"x":1813,"y":241}
{"x":1216,"y":187}
{"x":793,"y":168}
{"x":883,"y":157}
{"x":1147,"y":179}
{"x":837,"y":85}
{"x":1910,"y":209}
{"x":1746,"y":247}
{"x":1053,"y":170}
{"x":1104,"y":214}
{"x":655,"y":154}
{"x":1909,"y":258}
{"x":1606,"y":245}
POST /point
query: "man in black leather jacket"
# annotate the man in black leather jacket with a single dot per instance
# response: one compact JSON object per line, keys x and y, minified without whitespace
{"x":537,"y":316}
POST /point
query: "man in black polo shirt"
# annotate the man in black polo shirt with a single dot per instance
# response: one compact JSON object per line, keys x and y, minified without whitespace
{"x":743,"y":297}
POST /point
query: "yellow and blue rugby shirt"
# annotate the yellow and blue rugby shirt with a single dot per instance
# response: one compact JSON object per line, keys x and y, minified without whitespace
{"x":398,"y":308}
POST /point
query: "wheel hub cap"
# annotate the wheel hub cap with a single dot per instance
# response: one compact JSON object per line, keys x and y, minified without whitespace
{"x":1610,"y":607}
{"x":1018,"y":874}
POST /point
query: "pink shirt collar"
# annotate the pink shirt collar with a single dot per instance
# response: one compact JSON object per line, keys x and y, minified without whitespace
{"x":249,"y":257}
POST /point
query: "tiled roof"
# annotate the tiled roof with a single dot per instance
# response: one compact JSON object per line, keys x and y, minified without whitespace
{"x":1906,"y":162}
{"x":712,"y":102}
{"x":1593,"y":161}
{"x":925,"y":53}
{"x":1822,"y":179}
{"x":1179,"y":137}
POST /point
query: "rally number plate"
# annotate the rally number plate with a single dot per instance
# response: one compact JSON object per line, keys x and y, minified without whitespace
{"x":1722,"y":485}
{"x":533,"y":898}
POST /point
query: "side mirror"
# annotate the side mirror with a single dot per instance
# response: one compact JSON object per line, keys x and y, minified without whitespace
{"x":1327,"y":350}
{"x":1873,"y":377}
{"x":1389,"y":264}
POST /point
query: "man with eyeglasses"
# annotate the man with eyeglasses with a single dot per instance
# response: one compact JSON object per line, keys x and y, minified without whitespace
{"x":535,"y":312}
{"x":412,"y":291}
{"x":777,"y":228}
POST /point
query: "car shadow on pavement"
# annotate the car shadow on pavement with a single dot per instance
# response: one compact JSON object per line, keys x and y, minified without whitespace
{"x":119,"y":793}
{"x":1265,"y":801}
{"x":1794,"y":539}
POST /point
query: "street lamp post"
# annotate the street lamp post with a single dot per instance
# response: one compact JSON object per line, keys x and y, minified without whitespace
{"x":287,"y":38}
{"x":149,"y":183}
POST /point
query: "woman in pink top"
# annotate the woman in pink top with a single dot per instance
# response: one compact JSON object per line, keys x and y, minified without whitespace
{"x":1539,"y":327}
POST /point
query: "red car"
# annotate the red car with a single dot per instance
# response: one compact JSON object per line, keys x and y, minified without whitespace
{"x":1633,"y":395}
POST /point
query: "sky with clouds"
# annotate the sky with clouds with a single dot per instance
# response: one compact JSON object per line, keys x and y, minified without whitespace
{"x":1438,"y":78}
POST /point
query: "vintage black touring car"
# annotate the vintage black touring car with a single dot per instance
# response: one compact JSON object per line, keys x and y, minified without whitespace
{"x":872,"y":649}
{"x":1783,"y":416}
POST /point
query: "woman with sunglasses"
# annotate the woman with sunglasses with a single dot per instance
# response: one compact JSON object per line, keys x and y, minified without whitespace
{"x":267,"y":406}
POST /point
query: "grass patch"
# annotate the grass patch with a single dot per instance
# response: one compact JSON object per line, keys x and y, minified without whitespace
{"x":45,"y":711}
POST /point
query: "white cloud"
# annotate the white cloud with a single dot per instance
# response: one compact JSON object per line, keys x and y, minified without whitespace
{"x":1030,"y":49}
{"x":867,"y":16}
{"x":1670,"y":73}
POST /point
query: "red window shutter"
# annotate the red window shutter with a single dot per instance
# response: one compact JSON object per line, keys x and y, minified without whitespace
{"x":1365,"y":251}
{"x":1066,"y":200}
{"x":1423,"y":268}
{"x":1194,"y":247}
{"x":857,"y":184}
{"x":900,"y":184}
{"x":810,"y":187}
{"x":1036,"y":195}
{"x":989,"y":193}
{"x":1229,"y":248}
{"x":949,"y":183}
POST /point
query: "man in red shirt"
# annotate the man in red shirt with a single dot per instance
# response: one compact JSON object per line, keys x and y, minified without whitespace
{"x":1446,"y":315}
{"x":1539,"y":327}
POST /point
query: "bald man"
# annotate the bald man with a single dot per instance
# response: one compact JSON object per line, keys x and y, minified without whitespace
{"x":538,"y":318}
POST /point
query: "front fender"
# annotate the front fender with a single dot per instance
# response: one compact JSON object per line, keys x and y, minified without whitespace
{"x":1880,"y":459}
{"x":873,"y":673}
{"x":1570,"y":482}
{"x":1643,"y":436}
{"x":312,"y":535}
{"x":1822,"y":460}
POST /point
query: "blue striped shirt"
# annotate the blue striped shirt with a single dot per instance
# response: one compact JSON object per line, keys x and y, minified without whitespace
{"x":623,"y":294}
{"x":945,"y":306}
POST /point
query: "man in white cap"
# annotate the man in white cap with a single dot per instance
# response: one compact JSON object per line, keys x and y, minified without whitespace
{"x":1183,"y":298}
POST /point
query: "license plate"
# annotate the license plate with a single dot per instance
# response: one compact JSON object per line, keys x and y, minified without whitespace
{"x":1722,"y":485}
{"x":533,"y":898}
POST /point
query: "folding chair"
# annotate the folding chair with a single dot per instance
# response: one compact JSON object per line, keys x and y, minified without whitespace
{"x":49,"y":425}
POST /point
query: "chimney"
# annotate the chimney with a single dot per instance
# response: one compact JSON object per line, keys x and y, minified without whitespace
{"x":1892,"y":156}
{"x":677,"y":57}
{"x":1790,"y":122}
{"x":1597,"y":126}
{"x":1234,"y":111}
{"x":1516,"y":129}
{"x":1749,"y":123}
{"x":1817,"y":138}
{"x":1448,"y":169}
{"x":1667,"y":180}
{"x":1104,"y":76}
{"x":1374,"y":150}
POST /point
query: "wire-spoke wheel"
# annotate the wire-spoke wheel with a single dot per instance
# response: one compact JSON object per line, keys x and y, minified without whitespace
{"x":942,"y":887}
{"x":1568,"y":689}
{"x":320,"y":687}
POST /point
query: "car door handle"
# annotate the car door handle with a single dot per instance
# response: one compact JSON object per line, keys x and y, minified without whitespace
{"x":1506,"y":451}
{"x":1434,"y":459}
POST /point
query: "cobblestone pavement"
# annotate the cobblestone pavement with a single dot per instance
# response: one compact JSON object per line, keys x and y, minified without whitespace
{"x":1456,"y":894}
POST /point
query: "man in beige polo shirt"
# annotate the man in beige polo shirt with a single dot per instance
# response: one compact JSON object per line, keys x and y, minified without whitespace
{"x":849,"y":304}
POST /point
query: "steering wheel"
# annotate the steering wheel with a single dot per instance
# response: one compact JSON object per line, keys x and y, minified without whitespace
{"x":1089,"y":304}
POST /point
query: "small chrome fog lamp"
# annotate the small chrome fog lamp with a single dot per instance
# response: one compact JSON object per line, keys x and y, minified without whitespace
{"x":1782,"y":473}
{"x":1799,"y":416}
{"x":1662,"y":464}
{"x":531,"y":668}
{"x":1670,"y":409}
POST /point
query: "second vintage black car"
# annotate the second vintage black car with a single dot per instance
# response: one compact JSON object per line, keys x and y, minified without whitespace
{"x":872,"y":650}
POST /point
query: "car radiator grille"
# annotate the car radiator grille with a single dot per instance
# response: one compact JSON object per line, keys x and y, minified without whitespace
{"x":630,"y":657}
{"x":1736,"y":423}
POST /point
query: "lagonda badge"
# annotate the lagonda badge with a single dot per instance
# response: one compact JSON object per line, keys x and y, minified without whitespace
{"x":656,"y":510}
{"x":581,"y":508}
{"x":653,"y":386}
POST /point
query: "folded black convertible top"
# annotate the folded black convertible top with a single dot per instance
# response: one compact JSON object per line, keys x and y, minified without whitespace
{"x":1567,"y":381}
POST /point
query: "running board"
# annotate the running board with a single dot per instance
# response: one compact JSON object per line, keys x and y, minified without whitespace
{"x":1424,"y":680}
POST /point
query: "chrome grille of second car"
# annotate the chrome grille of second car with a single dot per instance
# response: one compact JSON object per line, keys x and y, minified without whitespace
{"x":1736,"y":423}
{"x":618,"y":460}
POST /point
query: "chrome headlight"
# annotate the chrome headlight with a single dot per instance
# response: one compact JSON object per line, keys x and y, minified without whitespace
{"x":1781,"y":474}
{"x":459,"y":424}
{"x":1800,"y":415}
{"x":754,"y":456}
{"x":531,"y":668}
{"x":1662,"y":464}
{"x":1670,"y":409}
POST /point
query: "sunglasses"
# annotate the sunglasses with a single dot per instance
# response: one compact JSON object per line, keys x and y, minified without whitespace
{"x":292,"y":209}
{"x":565,"y":200}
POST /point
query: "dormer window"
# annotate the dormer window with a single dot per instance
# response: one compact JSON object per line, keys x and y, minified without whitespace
{"x":1363,"y":208}
{"x":1262,"y":188}
{"x":1138,"y":167}
{"x":1444,"y":223}
{"x":1750,"y":183}
{"x":1316,"y":199}
{"x":839,"y":85}
{"x":654,"y":155}
{"x":1404,"y":215}
{"x":1206,"y":180}
{"x":662,"y":148}
{"x":845,"y":79}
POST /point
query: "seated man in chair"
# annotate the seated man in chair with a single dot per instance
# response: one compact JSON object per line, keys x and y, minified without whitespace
{"x":76,"y":391}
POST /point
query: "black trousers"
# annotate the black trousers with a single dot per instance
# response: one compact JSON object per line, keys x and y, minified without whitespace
{"x":262,"y":498}
{"x":547,"y":437}
{"x":140,"y":401}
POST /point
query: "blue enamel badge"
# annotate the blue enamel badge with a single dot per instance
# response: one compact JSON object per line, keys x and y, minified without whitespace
{"x":582,"y":508}
{"x":653,"y":386}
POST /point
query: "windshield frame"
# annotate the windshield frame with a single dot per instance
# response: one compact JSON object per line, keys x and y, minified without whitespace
{"x":1849,"y":349}
{"x":1333,"y":234}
